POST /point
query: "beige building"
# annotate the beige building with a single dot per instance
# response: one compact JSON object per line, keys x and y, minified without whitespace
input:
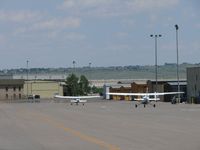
{"x":44,"y":88}
{"x":11,"y":89}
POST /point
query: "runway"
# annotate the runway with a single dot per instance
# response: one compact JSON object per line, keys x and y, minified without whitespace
{"x":99,"y":125}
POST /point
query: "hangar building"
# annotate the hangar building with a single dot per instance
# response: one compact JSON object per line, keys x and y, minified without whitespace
{"x":44,"y":88}
{"x":143,"y":86}
{"x":193,"y":86}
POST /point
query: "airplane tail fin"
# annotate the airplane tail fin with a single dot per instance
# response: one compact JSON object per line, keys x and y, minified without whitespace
{"x":147,"y":90}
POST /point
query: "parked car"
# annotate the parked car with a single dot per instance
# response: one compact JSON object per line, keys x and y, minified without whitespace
{"x":37,"y":98}
{"x":33,"y":98}
{"x":30,"y":96}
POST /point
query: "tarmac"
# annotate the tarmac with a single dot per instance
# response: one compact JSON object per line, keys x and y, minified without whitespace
{"x":99,"y":125}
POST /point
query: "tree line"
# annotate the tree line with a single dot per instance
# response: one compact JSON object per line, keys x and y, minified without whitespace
{"x":76,"y":86}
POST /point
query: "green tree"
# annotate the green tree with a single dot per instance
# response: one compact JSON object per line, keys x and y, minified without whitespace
{"x":84,"y":85}
{"x":72,"y":85}
{"x":97,"y":90}
{"x":76,"y":87}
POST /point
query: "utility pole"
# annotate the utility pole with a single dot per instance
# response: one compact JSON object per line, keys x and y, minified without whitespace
{"x":156,"y":36}
{"x":74,"y":66}
{"x":27,"y":72}
{"x":177,"y":70}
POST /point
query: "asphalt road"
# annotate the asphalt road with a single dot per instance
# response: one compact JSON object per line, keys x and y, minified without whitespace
{"x":106,"y":125}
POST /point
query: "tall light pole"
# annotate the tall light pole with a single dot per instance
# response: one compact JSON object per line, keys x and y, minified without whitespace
{"x":177,"y":54}
{"x":74,"y":63}
{"x":27,"y":71}
{"x":90,"y":80}
{"x":90,"y":64}
{"x":156,"y":59}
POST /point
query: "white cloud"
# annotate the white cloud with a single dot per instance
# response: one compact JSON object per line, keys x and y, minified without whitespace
{"x":142,"y":5}
{"x":26,"y":21}
{"x":196,"y":46}
{"x":114,"y":7}
{"x":75,"y":36}
{"x":121,"y":34}
{"x":19,"y":16}
{"x":56,"y":23}
{"x":53,"y":27}
{"x":2,"y":39}
{"x":84,"y":4}
{"x":197,"y":25}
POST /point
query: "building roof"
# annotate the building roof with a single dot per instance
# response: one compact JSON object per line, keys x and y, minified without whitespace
{"x":121,"y":85}
{"x":176,"y":83}
{"x":131,"y":81}
{"x":5,"y":76}
{"x":11,"y":82}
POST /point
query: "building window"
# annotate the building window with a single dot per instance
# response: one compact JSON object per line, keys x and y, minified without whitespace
{"x":14,"y":96}
{"x":14,"y":89}
{"x":19,"y":88}
{"x":20,"y":96}
{"x":6,"y":96}
{"x":6,"y":89}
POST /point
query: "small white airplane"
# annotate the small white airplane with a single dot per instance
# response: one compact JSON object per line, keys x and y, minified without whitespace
{"x":76,"y":99}
{"x":146,"y":98}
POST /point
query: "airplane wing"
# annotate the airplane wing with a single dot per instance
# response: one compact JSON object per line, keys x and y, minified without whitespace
{"x":166,"y":93}
{"x":75,"y":97}
{"x":145,"y":94}
{"x":128,"y":94}
{"x":149,"y":99}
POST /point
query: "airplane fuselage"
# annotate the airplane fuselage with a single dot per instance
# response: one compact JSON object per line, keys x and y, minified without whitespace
{"x":145,"y":101}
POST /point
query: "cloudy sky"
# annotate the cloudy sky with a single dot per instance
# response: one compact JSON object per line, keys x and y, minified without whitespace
{"x":54,"y":33}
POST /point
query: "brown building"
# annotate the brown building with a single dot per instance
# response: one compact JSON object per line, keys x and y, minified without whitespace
{"x":131,"y":87}
{"x":11,"y":89}
{"x":168,"y":86}
{"x":143,"y":86}
{"x":120,"y":88}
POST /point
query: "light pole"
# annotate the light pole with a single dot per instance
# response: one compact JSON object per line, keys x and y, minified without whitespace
{"x":90,"y":64}
{"x":74,"y":63}
{"x":156,"y":59}
{"x":27,"y":71}
{"x":90,"y":81}
{"x":177,"y":58}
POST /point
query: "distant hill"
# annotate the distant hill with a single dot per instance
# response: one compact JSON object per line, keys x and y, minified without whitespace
{"x":166,"y":71}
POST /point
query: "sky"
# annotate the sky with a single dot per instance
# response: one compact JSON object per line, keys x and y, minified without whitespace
{"x":54,"y":33}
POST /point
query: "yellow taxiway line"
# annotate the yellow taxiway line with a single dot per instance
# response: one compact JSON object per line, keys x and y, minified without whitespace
{"x":74,"y":132}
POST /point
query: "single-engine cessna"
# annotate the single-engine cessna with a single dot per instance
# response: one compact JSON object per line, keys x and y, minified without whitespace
{"x":76,"y":99}
{"x":146,"y":98}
